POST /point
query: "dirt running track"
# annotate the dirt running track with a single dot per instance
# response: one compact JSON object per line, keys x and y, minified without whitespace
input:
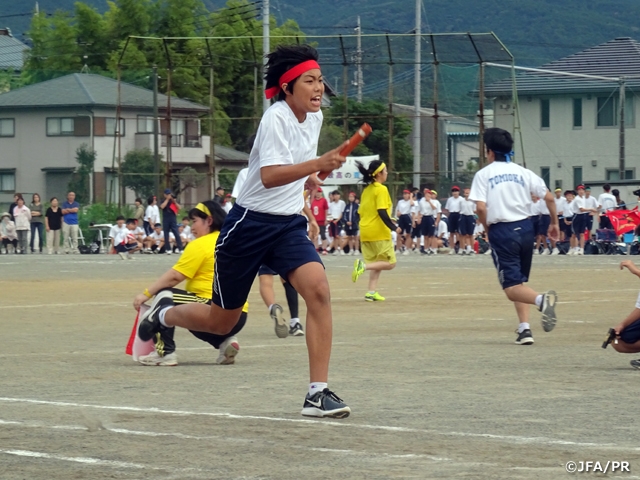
{"x":436,"y":385}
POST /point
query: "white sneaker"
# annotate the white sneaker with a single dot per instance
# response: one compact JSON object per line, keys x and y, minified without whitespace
{"x":580,"y":251}
{"x":452,"y":251}
{"x":123,"y":255}
{"x":555,"y":251}
{"x":406,"y":252}
{"x":335,"y":252}
{"x":352,"y":252}
{"x":341,"y":252}
{"x":228,"y":351}
{"x":488,"y":252}
{"x":545,"y":252}
{"x":168,"y":252}
{"x":357,"y":252}
{"x":155,"y":360}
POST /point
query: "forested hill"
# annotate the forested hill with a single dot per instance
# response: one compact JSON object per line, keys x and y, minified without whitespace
{"x":534,"y":31}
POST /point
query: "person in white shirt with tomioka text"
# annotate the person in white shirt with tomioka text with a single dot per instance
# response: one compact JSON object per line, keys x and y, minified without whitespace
{"x":405,"y":221}
{"x":452,"y":210}
{"x":502,"y":191}
{"x":607,"y":202}
{"x":467,"y":223}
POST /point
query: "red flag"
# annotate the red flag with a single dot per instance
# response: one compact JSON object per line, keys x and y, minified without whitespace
{"x":624,"y":221}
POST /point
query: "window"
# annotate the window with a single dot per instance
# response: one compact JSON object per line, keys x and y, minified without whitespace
{"x":7,"y":127}
{"x":558,"y":184}
{"x":7,"y":182}
{"x":544,"y":113}
{"x":614,"y":174}
{"x":545,"y":174}
{"x":110,"y":127}
{"x":577,"y":176}
{"x":60,"y":126}
{"x":145,"y":124}
{"x":608,"y":114}
{"x":577,"y":113}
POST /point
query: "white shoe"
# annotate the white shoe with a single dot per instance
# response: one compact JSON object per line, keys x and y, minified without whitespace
{"x":341,"y":252}
{"x":406,"y":252}
{"x":580,"y":251}
{"x":155,"y":360}
{"x":545,"y":252}
{"x":555,"y":251}
{"x":123,"y":255}
{"x":357,"y":252}
{"x":228,"y":351}
{"x":168,"y":252}
{"x":352,"y":252}
{"x":452,"y":251}
{"x":488,"y":252}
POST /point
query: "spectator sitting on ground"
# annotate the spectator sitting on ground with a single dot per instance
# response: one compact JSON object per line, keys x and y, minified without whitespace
{"x":118,"y":228}
{"x":8,"y":234}
{"x":154,"y":242}
{"x":125,"y":241}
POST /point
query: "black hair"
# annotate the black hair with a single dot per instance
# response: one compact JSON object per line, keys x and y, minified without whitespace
{"x":185,"y":218}
{"x":139,"y":200}
{"x":53,"y":198}
{"x":157,"y":225}
{"x":367,"y":172}
{"x":615,"y":192}
{"x":119,"y":217}
{"x":220,"y":188}
{"x":499,"y":141}
{"x":131,"y":220}
{"x":284,"y":58}
{"x":150,"y":199}
{"x":217,"y":213}
{"x":606,"y":187}
{"x":336,"y":192}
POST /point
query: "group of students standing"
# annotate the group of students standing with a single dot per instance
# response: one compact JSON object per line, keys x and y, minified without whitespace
{"x":21,"y":221}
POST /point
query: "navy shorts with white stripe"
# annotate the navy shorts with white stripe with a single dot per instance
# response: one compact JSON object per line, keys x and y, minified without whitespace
{"x":249,"y":239}
{"x":512,"y":250}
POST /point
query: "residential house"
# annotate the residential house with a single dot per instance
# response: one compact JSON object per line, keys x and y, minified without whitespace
{"x":570,"y":126}
{"x":12,"y":51}
{"x":42,"y":126}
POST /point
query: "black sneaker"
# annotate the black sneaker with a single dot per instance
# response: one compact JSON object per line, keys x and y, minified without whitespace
{"x":150,"y":324}
{"x":524,"y":337}
{"x":325,"y":404}
{"x":548,"y":309}
{"x":635,"y":364}
{"x":281,"y":325}
{"x":296,"y":330}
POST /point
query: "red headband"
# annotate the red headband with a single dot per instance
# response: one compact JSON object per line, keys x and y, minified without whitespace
{"x":289,"y":75}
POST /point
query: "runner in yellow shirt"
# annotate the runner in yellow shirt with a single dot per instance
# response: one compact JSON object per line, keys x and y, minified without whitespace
{"x":375,"y":228}
{"x":196,"y":266}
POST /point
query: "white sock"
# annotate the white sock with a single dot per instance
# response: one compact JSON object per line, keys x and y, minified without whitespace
{"x":161,"y":316}
{"x":271,"y":306}
{"x":523,"y":326}
{"x":371,"y":292}
{"x":468,"y":248}
{"x":293,"y":321}
{"x":315,"y":387}
{"x":538,"y":301}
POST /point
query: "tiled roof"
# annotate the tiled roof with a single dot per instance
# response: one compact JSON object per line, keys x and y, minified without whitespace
{"x":87,"y":90}
{"x":617,"y":58}
{"x":11,"y":53}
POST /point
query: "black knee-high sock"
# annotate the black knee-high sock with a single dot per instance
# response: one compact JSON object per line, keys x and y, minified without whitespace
{"x":292,"y":299}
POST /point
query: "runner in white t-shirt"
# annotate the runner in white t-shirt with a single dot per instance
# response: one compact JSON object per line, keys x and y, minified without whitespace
{"x":502,"y":191}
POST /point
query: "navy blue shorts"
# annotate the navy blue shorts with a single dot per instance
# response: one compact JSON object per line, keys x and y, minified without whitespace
{"x":467,"y":224}
{"x":567,"y":229}
{"x":589,"y":223}
{"x":250,"y":239}
{"x":454,"y":222}
{"x":631,"y":334}
{"x":579,"y":224}
{"x":428,"y":226}
{"x":512,"y":250}
{"x":404,"y":222}
{"x":351,"y":231}
{"x":605,"y":223}
{"x":543,"y":225}
{"x":334,"y":230}
{"x":535,"y":221}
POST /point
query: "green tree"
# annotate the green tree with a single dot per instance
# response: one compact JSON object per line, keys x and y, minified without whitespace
{"x":80,"y":181}
{"x":137,"y":172}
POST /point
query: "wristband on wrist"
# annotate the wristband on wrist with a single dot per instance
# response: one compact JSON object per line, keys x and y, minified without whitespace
{"x":146,"y":293}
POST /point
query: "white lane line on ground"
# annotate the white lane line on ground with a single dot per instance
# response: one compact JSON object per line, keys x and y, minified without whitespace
{"x":91,"y":461}
{"x":64,"y":305}
{"x":124,"y":431}
{"x":514,"y":439}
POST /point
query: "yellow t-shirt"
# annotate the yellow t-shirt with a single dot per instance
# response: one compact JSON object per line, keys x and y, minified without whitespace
{"x":196,"y":263}
{"x":374,"y":197}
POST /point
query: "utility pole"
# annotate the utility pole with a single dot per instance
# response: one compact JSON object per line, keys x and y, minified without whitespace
{"x":265,"y":48}
{"x":156,"y":156}
{"x":416,"y":93}
{"x":359,"y":80}
{"x":622,"y":139}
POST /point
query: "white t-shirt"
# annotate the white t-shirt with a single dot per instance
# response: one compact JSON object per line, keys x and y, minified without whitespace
{"x":534,"y":208}
{"x":467,"y":207}
{"x":443,"y":230}
{"x":542,"y":208}
{"x":152,"y":214}
{"x":403,"y":207}
{"x":506,"y":188}
{"x":577,"y":204}
{"x":227,"y":206}
{"x":281,"y":140}
{"x":607,"y":202}
{"x":115,"y":230}
{"x":158,"y":237}
{"x":428,"y":210}
{"x":568,"y":209}
{"x":453,"y":204}
{"x":240,"y":179}
{"x":336,"y":209}
{"x":561,"y":205}
{"x":122,"y":236}
{"x":478,"y":229}
{"x":591,"y":202}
